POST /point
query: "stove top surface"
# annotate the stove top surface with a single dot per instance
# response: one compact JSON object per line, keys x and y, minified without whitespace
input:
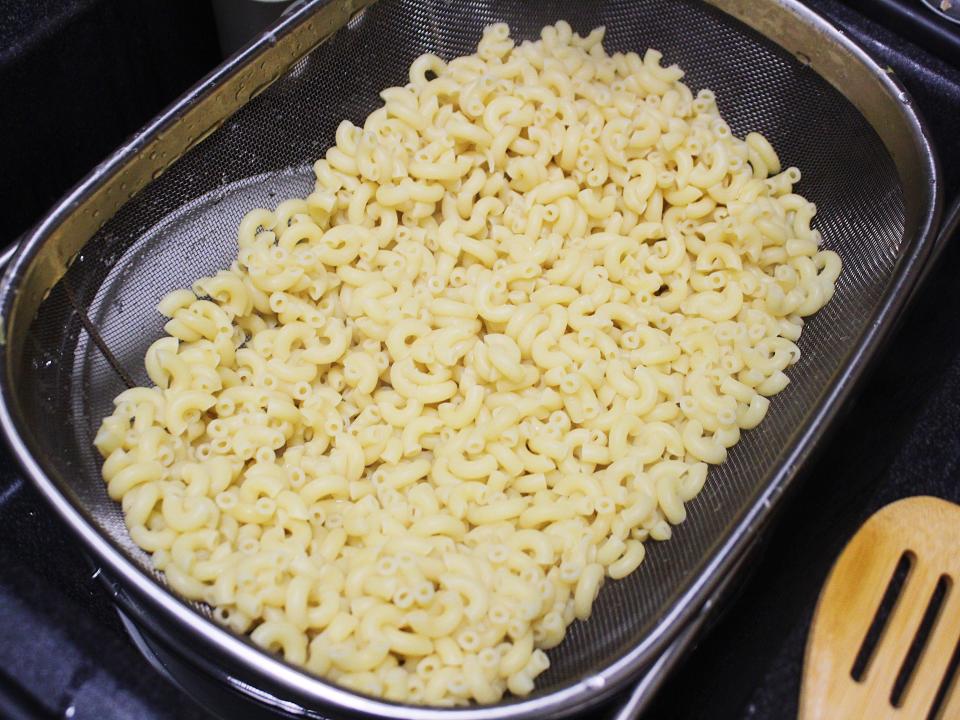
{"x":63,"y":650}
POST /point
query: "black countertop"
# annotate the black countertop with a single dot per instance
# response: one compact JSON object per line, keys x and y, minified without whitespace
{"x":63,"y":652}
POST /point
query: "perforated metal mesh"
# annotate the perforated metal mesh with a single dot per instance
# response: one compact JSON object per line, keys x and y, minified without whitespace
{"x":184,"y":224}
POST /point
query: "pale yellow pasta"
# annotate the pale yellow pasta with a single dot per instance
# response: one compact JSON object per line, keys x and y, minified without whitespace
{"x":407,"y":435}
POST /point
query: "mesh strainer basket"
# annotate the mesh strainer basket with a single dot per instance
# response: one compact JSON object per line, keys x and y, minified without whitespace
{"x":77,"y":302}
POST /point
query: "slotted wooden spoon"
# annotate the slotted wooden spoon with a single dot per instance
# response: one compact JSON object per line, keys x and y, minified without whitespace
{"x":850,"y":629}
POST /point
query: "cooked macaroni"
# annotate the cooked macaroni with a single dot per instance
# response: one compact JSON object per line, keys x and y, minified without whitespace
{"x":406,"y":436}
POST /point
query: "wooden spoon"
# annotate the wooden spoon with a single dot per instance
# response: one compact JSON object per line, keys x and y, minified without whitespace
{"x":846,"y":677}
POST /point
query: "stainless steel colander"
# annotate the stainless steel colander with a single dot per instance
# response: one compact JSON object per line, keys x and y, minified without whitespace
{"x":77,"y":302}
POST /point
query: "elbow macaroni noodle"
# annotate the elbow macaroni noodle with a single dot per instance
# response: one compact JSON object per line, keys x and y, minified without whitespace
{"x":406,"y":436}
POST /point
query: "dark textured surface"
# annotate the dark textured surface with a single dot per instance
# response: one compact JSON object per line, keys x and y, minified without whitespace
{"x":60,"y":639}
{"x":183,"y":226}
{"x":78,"y":76}
{"x":916,"y":21}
